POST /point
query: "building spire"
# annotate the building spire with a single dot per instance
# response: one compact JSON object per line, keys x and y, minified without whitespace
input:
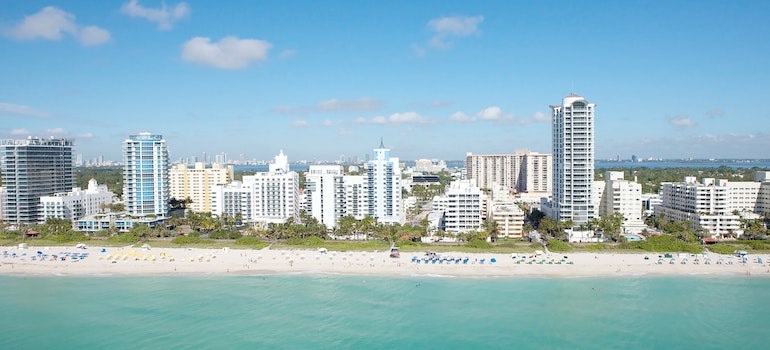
{"x":382,"y":145}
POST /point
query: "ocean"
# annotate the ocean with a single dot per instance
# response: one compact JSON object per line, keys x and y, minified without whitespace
{"x":365,"y":312}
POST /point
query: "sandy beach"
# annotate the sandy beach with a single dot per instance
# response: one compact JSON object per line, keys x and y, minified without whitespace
{"x":179,"y":261}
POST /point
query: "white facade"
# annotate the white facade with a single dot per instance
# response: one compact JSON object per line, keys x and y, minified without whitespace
{"x":383,"y":184}
{"x":573,"y":160}
{"x":145,"y":175}
{"x":464,"y":207}
{"x":196,"y":183}
{"x":504,"y":211}
{"x":621,"y":196}
{"x":325,"y":193}
{"x":706,"y":204}
{"x":2,"y":200}
{"x":523,"y":171}
{"x":77,"y":203}
{"x":265,"y":197}
{"x":332,"y":195}
{"x":429,"y":165}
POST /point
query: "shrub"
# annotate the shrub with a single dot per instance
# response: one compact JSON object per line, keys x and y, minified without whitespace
{"x":479,"y":243}
{"x":69,"y":236}
{"x":556,"y":245}
{"x":721,"y":248}
{"x":124,"y":238}
{"x":595,"y":247}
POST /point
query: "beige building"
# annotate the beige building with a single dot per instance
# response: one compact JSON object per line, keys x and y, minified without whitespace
{"x":522,"y":172}
{"x":196,"y":183}
{"x":504,"y":211}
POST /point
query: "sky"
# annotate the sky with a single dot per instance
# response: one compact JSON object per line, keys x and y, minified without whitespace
{"x":432,"y":79}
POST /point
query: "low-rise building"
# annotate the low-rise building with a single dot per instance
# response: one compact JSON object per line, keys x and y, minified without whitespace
{"x":77,"y":203}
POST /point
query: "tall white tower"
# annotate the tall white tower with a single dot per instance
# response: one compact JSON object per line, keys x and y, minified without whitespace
{"x":383,"y":181}
{"x":573,"y":160}
{"x":145,"y":175}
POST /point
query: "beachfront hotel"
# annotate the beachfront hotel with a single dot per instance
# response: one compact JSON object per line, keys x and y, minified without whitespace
{"x":196,"y":183}
{"x":383,"y":183}
{"x":30,"y":169}
{"x":573,"y":160}
{"x":269,"y":197}
{"x":524,"y":172}
{"x":145,"y":175}
{"x":331,"y":195}
{"x":77,"y":203}
{"x":617,"y":195}
{"x":716,"y":205}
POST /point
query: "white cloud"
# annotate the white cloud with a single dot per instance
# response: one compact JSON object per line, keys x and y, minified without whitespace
{"x":496,"y":115}
{"x":490,"y":113}
{"x":14,"y":109}
{"x":300,"y":124}
{"x":360,"y":120}
{"x":163,"y":16}
{"x":92,"y":35}
{"x":359,"y":105}
{"x":461,"y":117}
{"x":344,"y":132}
{"x":446,"y":29}
{"x":52,"y":23}
{"x":716,"y":113}
{"x":286,"y":54}
{"x":379,"y":120}
{"x":327,"y":122}
{"x":228,"y":53}
{"x":407,"y":118}
{"x":681,"y":122}
{"x":20,"y":132}
{"x":85,"y":135}
{"x":54,"y":132}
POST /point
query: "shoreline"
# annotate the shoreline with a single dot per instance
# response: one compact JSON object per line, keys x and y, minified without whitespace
{"x":131,"y":261}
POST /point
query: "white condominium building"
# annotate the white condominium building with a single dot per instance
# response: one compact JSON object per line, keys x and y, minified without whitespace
{"x":383,"y":184}
{"x":77,"y":203}
{"x":504,"y":211}
{"x":706,"y":204}
{"x":196,"y":183}
{"x":331,"y":195}
{"x":265,"y":197}
{"x":429,"y":165}
{"x":573,"y":160}
{"x":464,"y":207}
{"x":618,"y":195}
{"x":145,"y":175}
{"x":523,"y":171}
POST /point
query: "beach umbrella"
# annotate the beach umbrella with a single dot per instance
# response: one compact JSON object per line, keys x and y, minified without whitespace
{"x":493,"y":260}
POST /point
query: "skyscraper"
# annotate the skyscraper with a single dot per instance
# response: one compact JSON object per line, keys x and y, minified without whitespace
{"x":573,"y":160}
{"x":145,"y":175}
{"x":30,"y":169}
{"x":383,"y":180}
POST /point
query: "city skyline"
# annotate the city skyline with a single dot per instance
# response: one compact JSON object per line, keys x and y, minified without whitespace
{"x":435,"y":79}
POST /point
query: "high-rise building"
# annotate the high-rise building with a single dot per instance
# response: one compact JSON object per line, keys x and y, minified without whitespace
{"x":196,"y":183}
{"x":464,"y":207}
{"x":523,"y":171}
{"x":266,"y":197}
{"x":617,"y":195}
{"x":573,"y":160}
{"x":145,"y":175}
{"x":31,"y":169}
{"x":331,"y":195}
{"x":383,"y":180}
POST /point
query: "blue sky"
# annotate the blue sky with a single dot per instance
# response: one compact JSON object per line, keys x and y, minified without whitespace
{"x":434,"y":79}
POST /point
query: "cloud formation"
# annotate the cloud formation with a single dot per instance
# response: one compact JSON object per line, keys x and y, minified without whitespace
{"x":681,"y":122}
{"x":439,"y":104}
{"x":163,"y":16}
{"x":228,"y":53}
{"x":396,"y":119}
{"x":300,"y":124}
{"x":20,"y":132}
{"x":359,"y":105}
{"x":22,"y":110}
{"x":716,"y":113}
{"x":446,"y":29}
{"x":495,"y":114}
{"x":52,"y":23}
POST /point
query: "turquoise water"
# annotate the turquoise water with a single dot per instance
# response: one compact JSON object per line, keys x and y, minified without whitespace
{"x":331,"y":312}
